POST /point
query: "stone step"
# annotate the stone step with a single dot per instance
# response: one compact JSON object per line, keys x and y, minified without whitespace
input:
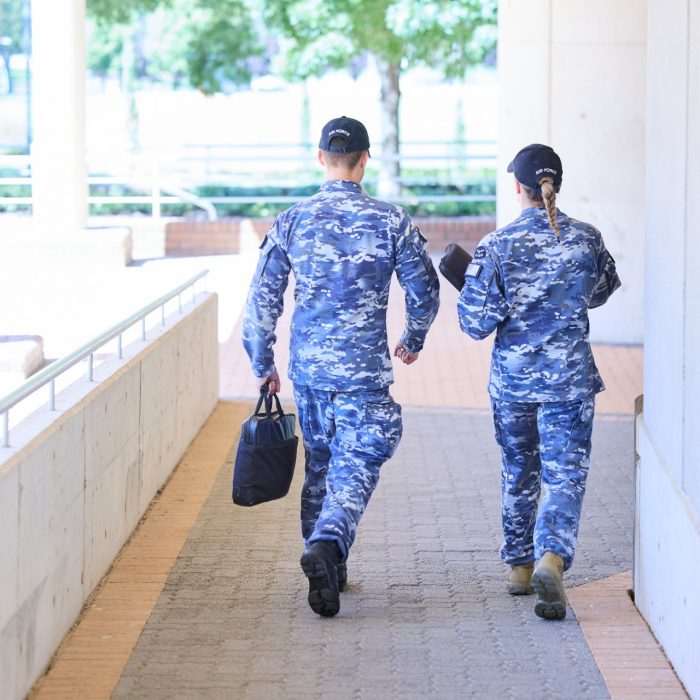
{"x":23,"y":354}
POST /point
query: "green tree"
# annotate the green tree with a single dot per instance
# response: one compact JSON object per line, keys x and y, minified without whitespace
{"x":104,"y":49}
{"x":114,"y":12}
{"x":450,"y":35}
{"x":207,"y":42}
{"x":12,"y":38}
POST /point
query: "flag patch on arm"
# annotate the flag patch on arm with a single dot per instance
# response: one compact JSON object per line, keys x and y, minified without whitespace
{"x":474,"y":269}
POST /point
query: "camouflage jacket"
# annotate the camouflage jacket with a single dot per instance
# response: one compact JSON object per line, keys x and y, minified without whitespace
{"x":535,"y":290}
{"x":343,"y":247}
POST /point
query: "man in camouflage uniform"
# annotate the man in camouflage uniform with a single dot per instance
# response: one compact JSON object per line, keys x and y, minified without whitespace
{"x":533,"y":282}
{"x":343,"y":247}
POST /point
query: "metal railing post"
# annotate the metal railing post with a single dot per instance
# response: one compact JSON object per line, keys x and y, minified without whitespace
{"x":155,"y":190}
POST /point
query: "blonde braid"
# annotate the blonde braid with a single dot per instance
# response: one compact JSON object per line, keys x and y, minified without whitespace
{"x":549,"y":197}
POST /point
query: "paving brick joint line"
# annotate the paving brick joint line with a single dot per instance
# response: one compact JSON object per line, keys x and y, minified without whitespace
{"x":426,"y":614}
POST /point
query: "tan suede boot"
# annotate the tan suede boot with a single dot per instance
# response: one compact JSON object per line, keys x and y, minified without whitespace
{"x":547,"y":580}
{"x":519,"y":582}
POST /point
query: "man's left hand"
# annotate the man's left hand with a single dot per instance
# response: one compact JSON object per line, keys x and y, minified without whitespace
{"x":404,"y":355}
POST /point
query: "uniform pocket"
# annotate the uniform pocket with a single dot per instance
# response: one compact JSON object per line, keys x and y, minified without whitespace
{"x":497,"y":433}
{"x":478,"y":278}
{"x":266,"y":248}
{"x":382,"y":426}
{"x":582,"y":428}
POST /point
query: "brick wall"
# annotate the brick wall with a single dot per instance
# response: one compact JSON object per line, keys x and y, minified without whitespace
{"x":465,"y":230}
{"x":191,"y":237}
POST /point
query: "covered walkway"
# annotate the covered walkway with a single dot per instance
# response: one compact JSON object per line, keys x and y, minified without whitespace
{"x":207,"y":600}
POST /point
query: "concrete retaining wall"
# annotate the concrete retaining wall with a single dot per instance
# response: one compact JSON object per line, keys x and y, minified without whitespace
{"x":76,"y":481}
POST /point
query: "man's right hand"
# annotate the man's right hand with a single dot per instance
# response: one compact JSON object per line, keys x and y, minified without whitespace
{"x":404,"y":355}
{"x":272,"y":381}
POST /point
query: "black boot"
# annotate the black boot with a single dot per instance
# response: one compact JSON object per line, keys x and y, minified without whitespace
{"x":319,"y":564}
{"x":342,"y":570}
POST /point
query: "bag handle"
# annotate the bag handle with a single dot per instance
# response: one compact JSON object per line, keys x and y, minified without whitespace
{"x":264,"y":396}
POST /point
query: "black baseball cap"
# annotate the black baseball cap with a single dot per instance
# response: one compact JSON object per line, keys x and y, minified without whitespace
{"x":353,"y":133}
{"x":535,"y":162}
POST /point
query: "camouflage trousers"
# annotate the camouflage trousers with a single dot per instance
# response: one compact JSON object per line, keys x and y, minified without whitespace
{"x":545,"y":449}
{"x":347,"y":438}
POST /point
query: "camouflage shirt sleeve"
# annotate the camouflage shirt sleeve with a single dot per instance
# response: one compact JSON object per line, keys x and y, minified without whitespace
{"x":608,"y":280}
{"x":265,"y":303}
{"x":417,"y":277}
{"x":482,"y":303}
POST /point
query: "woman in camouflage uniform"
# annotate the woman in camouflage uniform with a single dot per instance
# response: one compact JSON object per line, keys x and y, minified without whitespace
{"x":533,"y":282}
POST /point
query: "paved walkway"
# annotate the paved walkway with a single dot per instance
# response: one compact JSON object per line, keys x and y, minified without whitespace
{"x":425,"y":614}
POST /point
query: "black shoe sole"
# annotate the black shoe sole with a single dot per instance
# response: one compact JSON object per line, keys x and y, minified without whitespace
{"x":551,"y":601}
{"x":324,"y":596}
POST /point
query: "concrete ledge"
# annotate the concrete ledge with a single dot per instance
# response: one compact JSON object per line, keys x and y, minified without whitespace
{"x":112,"y":245}
{"x":21,"y":353}
{"x":76,"y":481}
{"x":224,"y":236}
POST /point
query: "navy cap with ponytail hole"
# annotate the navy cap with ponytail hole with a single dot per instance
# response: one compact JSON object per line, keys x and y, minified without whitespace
{"x":534,"y":162}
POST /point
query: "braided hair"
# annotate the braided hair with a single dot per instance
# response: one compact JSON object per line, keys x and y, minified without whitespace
{"x":548,"y":198}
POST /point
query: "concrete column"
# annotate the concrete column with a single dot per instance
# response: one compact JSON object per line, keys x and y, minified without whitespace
{"x":667,"y":539}
{"x":572,"y":75}
{"x":59,"y":186}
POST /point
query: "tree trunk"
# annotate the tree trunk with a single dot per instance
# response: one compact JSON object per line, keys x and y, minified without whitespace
{"x":127,"y":86}
{"x":8,"y":73}
{"x":389,"y":167}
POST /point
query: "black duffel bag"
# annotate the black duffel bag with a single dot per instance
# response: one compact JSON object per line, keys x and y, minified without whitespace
{"x":266,"y":456}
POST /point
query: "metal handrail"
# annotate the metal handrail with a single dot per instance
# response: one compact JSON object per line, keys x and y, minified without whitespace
{"x":170,"y":178}
{"x":49,"y":374}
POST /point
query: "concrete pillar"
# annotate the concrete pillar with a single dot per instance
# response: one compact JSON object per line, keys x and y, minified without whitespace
{"x":572,"y":75}
{"x":667,"y":566}
{"x":59,"y":186}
